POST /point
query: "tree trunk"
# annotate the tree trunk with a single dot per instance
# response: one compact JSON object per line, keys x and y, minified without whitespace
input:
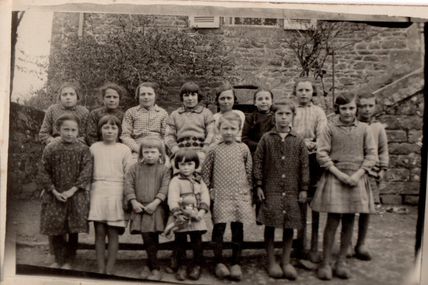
{"x":16,"y":19}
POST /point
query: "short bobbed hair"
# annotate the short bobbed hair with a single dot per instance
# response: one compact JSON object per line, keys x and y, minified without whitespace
{"x":190,"y":87}
{"x":111,"y":120}
{"x":230,"y":116}
{"x":71,"y":84}
{"x":116,"y":87}
{"x":67,"y":117}
{"x":343,"y":99}
{"x":186,"y":155}
{"x":152,"y":85}
{"x":262,"y":90}
{"x":305,"y":79}
{"x":152,"y":141}
{"x":225,"y":86}
{"x":285,"y":103}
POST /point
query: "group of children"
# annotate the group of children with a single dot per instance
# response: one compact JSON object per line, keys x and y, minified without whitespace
{"x":164,"y":173}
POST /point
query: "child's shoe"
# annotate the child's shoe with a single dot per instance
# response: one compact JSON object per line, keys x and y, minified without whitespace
{"x":66,"y":266}
{"x":289,"y":272}
{"x":350,"y":253}
{"x":195,"y":273}
{"x":362,"y":253}
{"x":145,"y":273}
{"x":325,"y":272}
{"x":236,"y":272}
{"x":181,"y":273}
{"x":173,"y":265}
{"x":155,"y":275}
{"x":274,"y":270}
{"x":221,"y":271}
{"x":341,"y":270}
{"x":55,"y":265}
{"x":314,"y":256}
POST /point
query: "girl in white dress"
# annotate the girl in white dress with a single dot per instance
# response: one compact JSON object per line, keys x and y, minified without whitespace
{"x":111,"y":160}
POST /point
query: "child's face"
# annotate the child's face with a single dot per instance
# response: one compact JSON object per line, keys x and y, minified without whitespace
{"x":283,"y":117}
{"x":229,"y":130}
{"x":147,"y":97}
{"x":304,"y":91}
{"x":68,"y":97}
{"x":263,"y":101}
{"x":109,"y":133}
{"x":190,"y":99}
{"x":69,"y":131}
{"x":366,"y":108}
{"x":226,"y":100}
{"x":186,"y":167}
{"x":347,"y":112}
{"x":111,"y":99}
{"x":151,"y":155}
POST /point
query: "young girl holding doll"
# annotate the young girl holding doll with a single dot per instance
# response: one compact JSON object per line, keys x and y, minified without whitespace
{"x":68,"y":98}
{"x":111,"y":94}
{"x":260,"y":121}
{"x":227,"y":170}
{"x":281,"y":176}
{"x":146,"y":119}
{"x":183,"y":184}
{"x":346,"y":151}
{"x":226,"y":100}
{"x":310,"y":120}
{"x":145,"y":191}
{"x":65,"y":174}
{"x":111,"y":161}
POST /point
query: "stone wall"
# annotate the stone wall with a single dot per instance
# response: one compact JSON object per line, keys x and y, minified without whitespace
{"x":25,"y":151}
{"x":401,"y":110}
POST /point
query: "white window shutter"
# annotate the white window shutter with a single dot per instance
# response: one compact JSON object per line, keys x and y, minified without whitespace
{"x":299,"y":24}
{"x":204,"y":22}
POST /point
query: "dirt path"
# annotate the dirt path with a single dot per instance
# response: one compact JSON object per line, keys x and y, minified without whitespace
{"x":391,"y":242}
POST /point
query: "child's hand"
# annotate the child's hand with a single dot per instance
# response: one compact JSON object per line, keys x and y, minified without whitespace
{"x":70,"y":192}
{"x":303,"y":196}
{"x":354,"y":178}
{"x":151,"y":208}
{"x":174,"y":149}
{"x":310,"y":145}
{"x":344,"y":178}
{"x":59,"y":196}
{"x":260,"y":194}
{"x":381,"y":174}
{"x":137,"y":207}
{"x":201,"y":215}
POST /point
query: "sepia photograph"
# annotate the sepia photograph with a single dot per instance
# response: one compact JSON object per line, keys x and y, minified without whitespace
{"x":215,"y":144}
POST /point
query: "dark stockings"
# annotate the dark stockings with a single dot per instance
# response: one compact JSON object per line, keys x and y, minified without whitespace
{"x":237,"y":241}
{"x":180,"y":243}
{"x":151,"y":241}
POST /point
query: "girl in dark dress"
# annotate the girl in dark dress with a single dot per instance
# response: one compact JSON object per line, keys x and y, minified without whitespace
{"x":281,"y":176}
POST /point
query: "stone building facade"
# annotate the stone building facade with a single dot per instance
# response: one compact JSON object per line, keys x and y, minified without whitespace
{"x":384,"y":58}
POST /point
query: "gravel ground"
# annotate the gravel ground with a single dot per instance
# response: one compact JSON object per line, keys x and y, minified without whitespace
{"x":391,"y":241}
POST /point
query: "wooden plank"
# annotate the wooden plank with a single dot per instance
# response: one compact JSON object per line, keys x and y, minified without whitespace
{"x":207,"y":245}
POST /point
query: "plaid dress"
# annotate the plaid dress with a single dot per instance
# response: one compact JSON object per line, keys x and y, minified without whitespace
{"x":139,"y":122}
{"x":349,"y":147}
{"x":281,"y":169}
